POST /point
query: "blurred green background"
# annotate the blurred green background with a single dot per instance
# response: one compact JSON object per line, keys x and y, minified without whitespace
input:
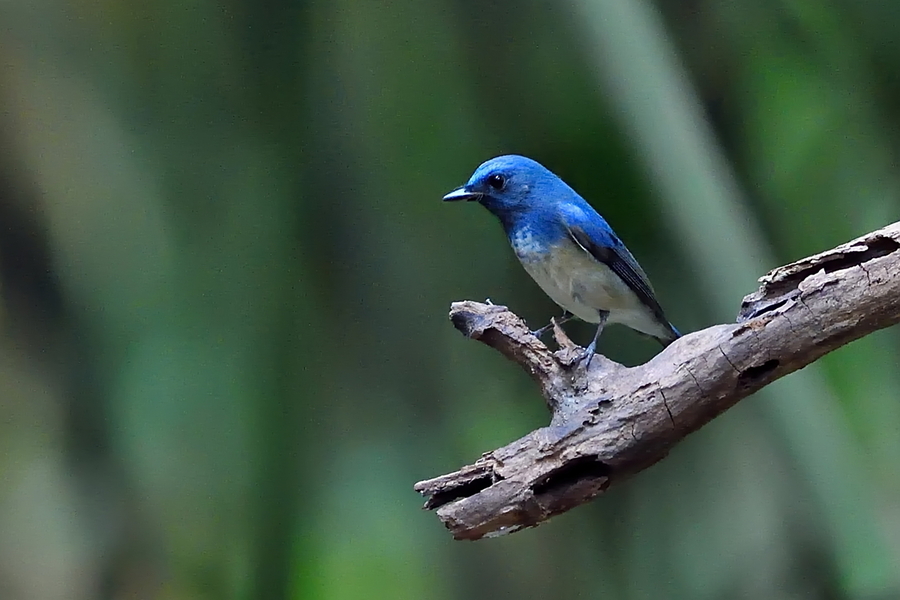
{"x":225,"y":271}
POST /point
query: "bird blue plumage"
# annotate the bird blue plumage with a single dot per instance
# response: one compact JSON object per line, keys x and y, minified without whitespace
{"x":567,"y":247}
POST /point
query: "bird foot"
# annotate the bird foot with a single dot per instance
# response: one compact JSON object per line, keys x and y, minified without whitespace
{"x":542,"y":330}
{"x":587,"y":354}
{"x":566,"y":316}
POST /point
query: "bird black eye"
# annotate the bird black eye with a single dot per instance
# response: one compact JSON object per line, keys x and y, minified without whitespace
{"x":496,"y":181}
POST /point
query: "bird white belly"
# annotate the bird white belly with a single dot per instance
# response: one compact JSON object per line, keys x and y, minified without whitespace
{"x":583,"y":285}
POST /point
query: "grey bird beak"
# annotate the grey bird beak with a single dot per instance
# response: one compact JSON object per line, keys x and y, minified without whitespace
{"x":461,"y":193}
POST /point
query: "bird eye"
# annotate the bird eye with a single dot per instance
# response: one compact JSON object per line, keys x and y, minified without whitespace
{"x":496,"y":181}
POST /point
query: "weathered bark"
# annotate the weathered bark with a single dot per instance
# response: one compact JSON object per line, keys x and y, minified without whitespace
{"x":612,"y":421}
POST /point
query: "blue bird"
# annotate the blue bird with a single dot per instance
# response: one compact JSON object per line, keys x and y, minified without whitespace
{"x":567,"y":248}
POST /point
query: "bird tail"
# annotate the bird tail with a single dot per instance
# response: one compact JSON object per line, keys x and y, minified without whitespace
{"x":674,"y":335}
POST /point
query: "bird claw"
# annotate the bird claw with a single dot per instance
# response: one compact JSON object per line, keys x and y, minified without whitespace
{"x":589,"y":351}
{"x":566,"y":316}
{"x":542,"y":330}
{"x":587,"y":354}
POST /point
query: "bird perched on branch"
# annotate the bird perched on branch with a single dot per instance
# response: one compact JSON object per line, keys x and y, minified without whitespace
{"x":567,"y":248}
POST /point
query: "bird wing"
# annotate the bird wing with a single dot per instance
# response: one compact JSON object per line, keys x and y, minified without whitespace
{"x":596,"y":238}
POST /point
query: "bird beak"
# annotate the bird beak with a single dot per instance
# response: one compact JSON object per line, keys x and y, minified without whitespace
{"x":461,"y":193}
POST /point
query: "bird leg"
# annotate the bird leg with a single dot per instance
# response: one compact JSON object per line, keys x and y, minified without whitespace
{"x":565,"y":317}
{"x":589,"y":351}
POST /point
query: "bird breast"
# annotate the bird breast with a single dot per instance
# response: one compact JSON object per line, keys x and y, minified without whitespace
{"x":577,"y":281}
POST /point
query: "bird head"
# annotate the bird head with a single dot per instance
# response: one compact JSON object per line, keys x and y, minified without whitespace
{"x":510,"y":185}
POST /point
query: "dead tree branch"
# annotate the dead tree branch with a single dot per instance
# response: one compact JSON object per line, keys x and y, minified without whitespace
{"x":613,"y":421}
